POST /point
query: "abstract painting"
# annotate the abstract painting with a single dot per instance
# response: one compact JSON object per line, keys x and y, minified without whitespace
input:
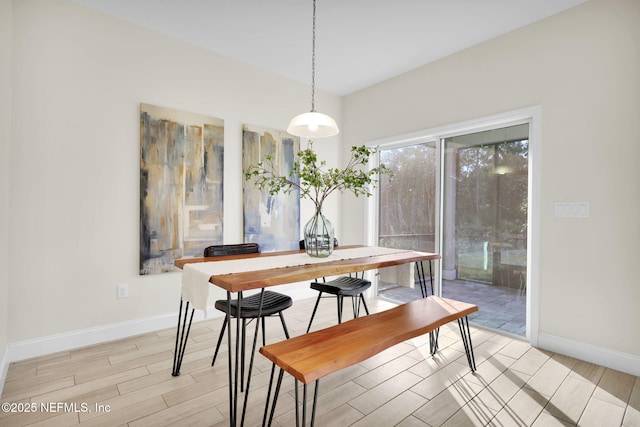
{"x":181,"y":166}
{"x":273,"y":221}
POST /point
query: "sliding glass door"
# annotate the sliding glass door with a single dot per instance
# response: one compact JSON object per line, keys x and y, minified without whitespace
{"x":466,"y":197}
{"x":485,"y":206}
{"x":407,"y":210}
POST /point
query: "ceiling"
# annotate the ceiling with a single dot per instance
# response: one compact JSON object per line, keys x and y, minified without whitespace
{"x":358,"y":42}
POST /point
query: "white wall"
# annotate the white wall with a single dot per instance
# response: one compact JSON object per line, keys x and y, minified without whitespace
{"x":582,"y":68}
{"x":5,"y":138}
{"x":79,"y":78}
{"x":73,"y":160}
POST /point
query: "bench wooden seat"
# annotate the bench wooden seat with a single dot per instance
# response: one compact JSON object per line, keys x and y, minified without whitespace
{"x":312,"y":356}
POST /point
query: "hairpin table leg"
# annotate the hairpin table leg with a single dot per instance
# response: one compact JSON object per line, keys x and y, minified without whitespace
{"x":182,"y":335}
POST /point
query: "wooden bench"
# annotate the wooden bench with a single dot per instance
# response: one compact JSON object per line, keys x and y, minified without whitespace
{"x":312,"y":356}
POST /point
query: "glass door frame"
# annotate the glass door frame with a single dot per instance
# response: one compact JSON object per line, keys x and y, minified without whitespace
{"x":530,"y":115}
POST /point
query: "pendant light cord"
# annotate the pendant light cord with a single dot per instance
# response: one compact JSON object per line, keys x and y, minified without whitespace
{"x":313,"y":124}
{"x":313,"y":61}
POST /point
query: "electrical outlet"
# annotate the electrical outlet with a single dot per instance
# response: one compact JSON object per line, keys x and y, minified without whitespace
{"x":123,"y":290}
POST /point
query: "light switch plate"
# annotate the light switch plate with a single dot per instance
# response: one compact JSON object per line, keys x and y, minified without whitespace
{"x":572,"y":209}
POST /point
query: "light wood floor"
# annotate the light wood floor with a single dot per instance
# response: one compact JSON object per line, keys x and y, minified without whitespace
{"x":129,"y":382}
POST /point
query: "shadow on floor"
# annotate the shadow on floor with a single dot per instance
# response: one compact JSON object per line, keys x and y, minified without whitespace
{"x":499,"y":308}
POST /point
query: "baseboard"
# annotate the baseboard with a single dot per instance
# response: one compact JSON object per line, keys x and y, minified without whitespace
{"x":4,"y":368}
{"x":85,"y":337}
{"x":617,"y":360}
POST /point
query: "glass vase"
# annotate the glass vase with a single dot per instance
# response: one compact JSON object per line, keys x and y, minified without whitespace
{"x":318,"y":236}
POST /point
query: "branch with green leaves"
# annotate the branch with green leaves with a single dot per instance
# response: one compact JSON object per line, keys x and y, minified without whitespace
{"x":314,"y":180}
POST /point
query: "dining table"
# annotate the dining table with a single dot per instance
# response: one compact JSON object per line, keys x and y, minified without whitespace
{"x":236,"y":274}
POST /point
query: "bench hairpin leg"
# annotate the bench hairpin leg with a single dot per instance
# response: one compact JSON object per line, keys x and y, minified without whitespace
{"x":266,"y":405}
{"x":295,"y":385}
{"x":275,"y":396}
{"x":433,"y":341}
{"x":303,"y":421}
{"x":315,"y":402}
{"x":463,"y":323}
{"x":304,"y":405}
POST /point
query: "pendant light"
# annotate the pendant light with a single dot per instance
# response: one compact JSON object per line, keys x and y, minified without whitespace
{"x":313,"y":124}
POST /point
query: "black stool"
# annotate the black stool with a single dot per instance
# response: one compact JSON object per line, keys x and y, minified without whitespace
{"x":273,"y":303}
{"x":351,"y":286}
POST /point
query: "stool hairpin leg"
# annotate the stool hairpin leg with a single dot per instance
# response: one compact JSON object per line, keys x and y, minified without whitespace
{"x":182,"y":335}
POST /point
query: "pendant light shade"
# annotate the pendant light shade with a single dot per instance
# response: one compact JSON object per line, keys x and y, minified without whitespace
{"x":313,"y":124}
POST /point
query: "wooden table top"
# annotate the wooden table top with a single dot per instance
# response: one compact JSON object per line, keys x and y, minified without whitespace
{"x":256,"y":279}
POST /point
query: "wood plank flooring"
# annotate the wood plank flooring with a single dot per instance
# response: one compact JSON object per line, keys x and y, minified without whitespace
{"x":129,"y":383}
